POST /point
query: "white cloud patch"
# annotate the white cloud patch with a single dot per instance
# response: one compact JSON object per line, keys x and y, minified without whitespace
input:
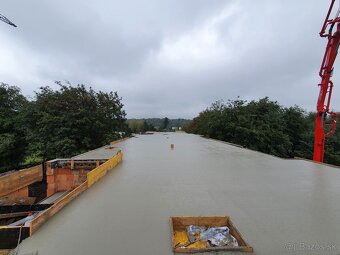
{"x":201,"y":46}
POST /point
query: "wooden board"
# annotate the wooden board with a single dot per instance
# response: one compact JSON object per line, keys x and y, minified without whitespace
{"x":180,"y":223}
{"x":9,"y":236}
{"x":56,"y":207}
{"x":20,"y":179}
{"x":67,"y":163}
{"x":15,"y":199}
{"x":4,"y":252}
{"x":13,"y":215}
{"x":100,"y":171}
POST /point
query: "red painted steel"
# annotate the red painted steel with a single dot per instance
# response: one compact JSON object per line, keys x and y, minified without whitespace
{"x":325,"y":122}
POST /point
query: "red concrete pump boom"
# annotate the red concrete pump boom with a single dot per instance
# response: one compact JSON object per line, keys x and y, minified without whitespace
{"x":325,"y":122}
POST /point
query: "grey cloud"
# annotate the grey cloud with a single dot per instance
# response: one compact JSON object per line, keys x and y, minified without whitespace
{"x":169,"y":58}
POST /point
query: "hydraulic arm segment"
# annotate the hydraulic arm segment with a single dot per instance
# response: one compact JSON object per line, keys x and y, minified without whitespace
{"x":325,"y":122}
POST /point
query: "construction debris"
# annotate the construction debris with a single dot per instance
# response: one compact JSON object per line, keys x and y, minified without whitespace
{"x":215,"y":236}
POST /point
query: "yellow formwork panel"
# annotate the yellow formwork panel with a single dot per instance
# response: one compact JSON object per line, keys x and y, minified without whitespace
{"x":100,"y":171}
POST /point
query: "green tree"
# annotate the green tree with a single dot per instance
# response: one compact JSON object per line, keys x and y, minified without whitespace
{"x":256,"y":125}
{"x":140,"y":126}
{"x":12,"y":135}
{"x":296,"y":126}
{"x":165,"y":123}
{"x":72,"y":120}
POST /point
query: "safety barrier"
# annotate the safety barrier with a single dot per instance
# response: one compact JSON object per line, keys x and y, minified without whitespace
{"x":100,"y":171}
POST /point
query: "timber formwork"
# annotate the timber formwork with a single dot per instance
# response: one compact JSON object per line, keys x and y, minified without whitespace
{"x":91,"y":171}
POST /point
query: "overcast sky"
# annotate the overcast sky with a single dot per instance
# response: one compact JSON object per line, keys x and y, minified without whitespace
{"x":171,"y":57}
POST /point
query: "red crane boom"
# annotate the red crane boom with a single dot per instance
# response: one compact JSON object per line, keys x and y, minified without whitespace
{"x":325,"y":122}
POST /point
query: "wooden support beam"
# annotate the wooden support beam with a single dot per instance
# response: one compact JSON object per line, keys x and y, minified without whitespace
{"x":13,"y":215}
{"x":4,"y":252}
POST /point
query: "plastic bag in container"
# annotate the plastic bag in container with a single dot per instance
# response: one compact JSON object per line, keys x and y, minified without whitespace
{"x":211,"y":232}
{"x":219,"y":237}
{"x":193,"y":230}
{"x":221,"y":240}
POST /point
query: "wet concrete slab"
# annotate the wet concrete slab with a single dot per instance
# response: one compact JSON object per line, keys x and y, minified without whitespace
{"x":105,"y":152}
{"x":280,"y":206}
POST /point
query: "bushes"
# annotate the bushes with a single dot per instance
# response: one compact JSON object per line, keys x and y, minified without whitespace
{"x":265,"y":126}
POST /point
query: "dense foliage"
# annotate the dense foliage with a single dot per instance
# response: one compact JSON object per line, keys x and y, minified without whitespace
{"x":159,"y":124}
{"x":12,"y":135}
{"x":265,"y":126}
{"x":57,"y":123}
{"x":140,"y":126}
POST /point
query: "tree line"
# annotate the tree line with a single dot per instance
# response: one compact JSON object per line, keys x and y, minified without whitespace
{"x":156,"y":124}
{"x":56,"y":123}
{"x":265,"y":126}
{"x":140,"y":126}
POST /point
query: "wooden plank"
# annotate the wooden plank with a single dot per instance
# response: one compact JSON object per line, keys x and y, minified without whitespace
{"x":12,"y":200}
{"x":77,"y":164}
{"x":13,"y":215}
{"x":212,"y":249}
{"x":100,"y":171}
{"x":4,"y":252}
{"x":20,"y":179}
{"x":56,"y":207}
{"x":180,"y":223}
{"x":234,"y":232}
{"x":9,"y":236}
